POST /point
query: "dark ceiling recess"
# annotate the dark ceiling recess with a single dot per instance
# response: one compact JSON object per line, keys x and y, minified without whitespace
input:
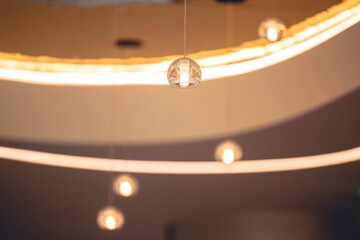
{"x":128,"y":42}
{"x":231,"y":1}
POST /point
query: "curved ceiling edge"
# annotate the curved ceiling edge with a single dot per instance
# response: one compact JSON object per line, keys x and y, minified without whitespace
{"x":216,"y":64}
{"x":179,"y":167}
{"x":46,"y":114}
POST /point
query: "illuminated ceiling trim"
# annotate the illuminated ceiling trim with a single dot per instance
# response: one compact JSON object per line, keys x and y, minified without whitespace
{"x":215,"y":64}
{"x":179,"y":167}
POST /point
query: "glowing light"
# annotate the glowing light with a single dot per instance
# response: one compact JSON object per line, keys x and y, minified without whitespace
{"x":180,"y":167}
{"x":228,"y":156}
{"x":272,"y":29}
{"x":110,"y":218}
{"x":215,"y":64}
{"x":228,"y":152}
{"x":125,"y":185}
{"x":184,"y":73}
{"x":110,"y":222}
{"x":125,"y":188}
{"x":272,"y":34}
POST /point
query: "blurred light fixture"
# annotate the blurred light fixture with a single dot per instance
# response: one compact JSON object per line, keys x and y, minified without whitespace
{"x":110,"y":218}
{"x":184,"y":72}
{"x":272,"y":29}
{"x":125,"y":185}
{"x":228,"y":152}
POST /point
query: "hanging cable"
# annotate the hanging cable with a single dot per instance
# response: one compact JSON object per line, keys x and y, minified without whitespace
{"x":110,"y":218}
{"x":184,"y":72}
{"x":230,"y":42}
{"x":185,"y":26}
{"x":228,"y":151}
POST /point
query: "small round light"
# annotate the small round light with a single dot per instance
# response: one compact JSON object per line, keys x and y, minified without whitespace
{"x":184,"y":73}
{"x":272,"y":29}
{"x":125,"y":185}
{"x":110,"y":218}
{"x":228,"y":152}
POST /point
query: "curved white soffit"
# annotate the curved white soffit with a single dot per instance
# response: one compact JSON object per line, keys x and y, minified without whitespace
{"x":227,"y":64}
{"x":176,"y":167}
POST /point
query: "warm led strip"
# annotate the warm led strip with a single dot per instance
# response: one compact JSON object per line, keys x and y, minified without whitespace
{"x":215,"y":64}
{"x":176,"y":167}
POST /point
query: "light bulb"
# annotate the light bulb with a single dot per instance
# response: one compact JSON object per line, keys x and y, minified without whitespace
{"x":272,"y":29}
{"x":228,"y":152}
{"x":272,"y":34}
{"x":184,"y":73}
{"x":125,"y":185}
{"x":110,"y":218}
{"x":110,"y":222}
{"x":125,"y":188}
{"x":228,"y":156}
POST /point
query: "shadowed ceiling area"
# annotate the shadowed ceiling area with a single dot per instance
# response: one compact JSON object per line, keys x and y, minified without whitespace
{"x":73,"y":196}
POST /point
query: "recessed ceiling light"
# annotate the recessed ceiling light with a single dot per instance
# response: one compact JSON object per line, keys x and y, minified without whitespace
{"x":128,"y":42}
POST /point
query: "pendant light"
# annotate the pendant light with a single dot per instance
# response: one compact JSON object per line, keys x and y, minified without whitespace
{"x":272,"y":29}
{"x":110,"y":218}
{"x":125,"y":185}
{"x":184,"y":72}
{"x":228,"y":152}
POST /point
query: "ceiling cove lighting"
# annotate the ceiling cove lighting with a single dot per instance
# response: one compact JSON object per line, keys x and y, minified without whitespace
{"x":215,"y":64}
{"x":125,"y":185}
{"x":180,"y":167}
{"x":110,"y":218}
{"x":184,"y":72}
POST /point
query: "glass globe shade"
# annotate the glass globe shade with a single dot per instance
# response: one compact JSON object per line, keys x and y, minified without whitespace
{"x":125,"y":185}
{"x":272,"y":29}
{"x":110,"y":218}
{"x":228,"y":152}
{"x":184,"y":73}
